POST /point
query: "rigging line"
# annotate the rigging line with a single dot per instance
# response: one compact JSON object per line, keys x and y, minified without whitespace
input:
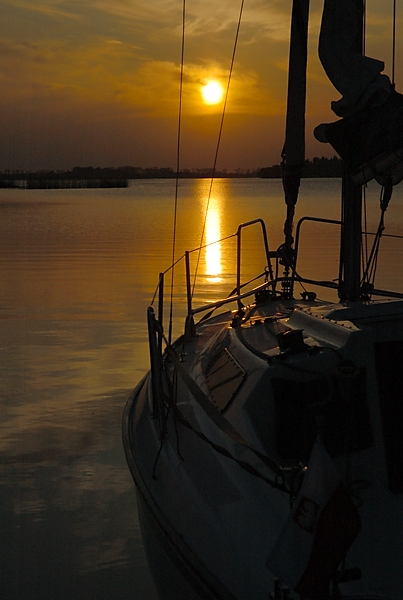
{"x":364,"y":25}
{"x":219,"y":138}
{"x":247,"y":283}
{"x":180,"y":258}
{"x":370,"y":271}
{"x":394,"y":42}
{"x":177,"y":168}
{"x":216,"y":416}
{"x":391,"y":235}
{"x":369,"y":274}
{"x":277,"y":483}
{"x":227,"y":237}
{"x":364,"y":246}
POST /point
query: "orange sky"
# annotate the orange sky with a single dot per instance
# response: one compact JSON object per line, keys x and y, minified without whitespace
{"x":95,"y":82}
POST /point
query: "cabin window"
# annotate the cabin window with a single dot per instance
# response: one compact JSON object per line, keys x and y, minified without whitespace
{"x":389,"y":369}
{"x":337,"y":406}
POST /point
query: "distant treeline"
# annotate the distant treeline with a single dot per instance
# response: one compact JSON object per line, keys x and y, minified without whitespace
{"x":317,"y":167}
{"x":58,"y":184}
{"x":51,"y":179}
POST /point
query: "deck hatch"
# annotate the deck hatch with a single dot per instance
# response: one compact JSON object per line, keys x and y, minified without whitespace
{"x":224,"y":375}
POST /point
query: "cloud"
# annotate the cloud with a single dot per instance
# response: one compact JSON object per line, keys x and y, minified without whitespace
{"x":155,"y":87}
{"x":268,"y":17}
{"x":100,"y":64}
{"x":110,"y":71}
{"x":50,"y":8}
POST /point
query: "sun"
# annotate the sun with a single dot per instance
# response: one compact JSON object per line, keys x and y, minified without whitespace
{"x":212,"y":92}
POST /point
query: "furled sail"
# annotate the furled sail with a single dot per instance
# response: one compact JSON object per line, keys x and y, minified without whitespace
{"x":293,"y":154}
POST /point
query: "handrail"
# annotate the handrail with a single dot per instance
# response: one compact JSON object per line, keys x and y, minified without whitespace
{"x":238,"y":296}
{"x":266,"y":245}
{"x":191,"y":312}
{"x":377,"y":292}
{"x":154,"y":342}
{"x":297,"y":235}
{"x":331,"y":284}
{"x":188,"y":284}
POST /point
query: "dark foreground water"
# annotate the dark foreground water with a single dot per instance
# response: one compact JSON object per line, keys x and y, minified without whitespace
{"x":77,"y":270}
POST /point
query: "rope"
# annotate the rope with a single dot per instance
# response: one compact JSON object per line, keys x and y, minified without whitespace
{"x":276,"y":483}
{"x":216,"y":416}
{"x":219,"y":140}
{"x":177,"y":168}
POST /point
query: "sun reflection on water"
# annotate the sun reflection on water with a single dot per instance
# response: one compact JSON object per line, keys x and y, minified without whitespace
{"x":213,"y":247}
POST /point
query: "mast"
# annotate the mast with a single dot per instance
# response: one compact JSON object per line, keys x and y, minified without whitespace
{"x":351,"y":213}
{"x":293,"y":155}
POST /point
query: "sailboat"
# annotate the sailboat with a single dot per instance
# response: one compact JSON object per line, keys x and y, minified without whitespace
{"x":265,"y":442}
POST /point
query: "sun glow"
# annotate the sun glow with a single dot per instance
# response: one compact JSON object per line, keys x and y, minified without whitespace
{"x":212,"y":92}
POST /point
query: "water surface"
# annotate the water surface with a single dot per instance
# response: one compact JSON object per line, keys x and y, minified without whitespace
{"x":78,"y":269}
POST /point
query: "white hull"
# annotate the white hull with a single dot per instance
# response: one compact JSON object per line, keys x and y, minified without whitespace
{"x":219,"y":523}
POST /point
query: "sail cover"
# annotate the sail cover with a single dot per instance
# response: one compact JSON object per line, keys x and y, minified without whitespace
{"x":293,"y":154}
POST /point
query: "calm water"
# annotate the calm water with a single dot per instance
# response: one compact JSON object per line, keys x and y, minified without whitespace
{"x":78,"y":269}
